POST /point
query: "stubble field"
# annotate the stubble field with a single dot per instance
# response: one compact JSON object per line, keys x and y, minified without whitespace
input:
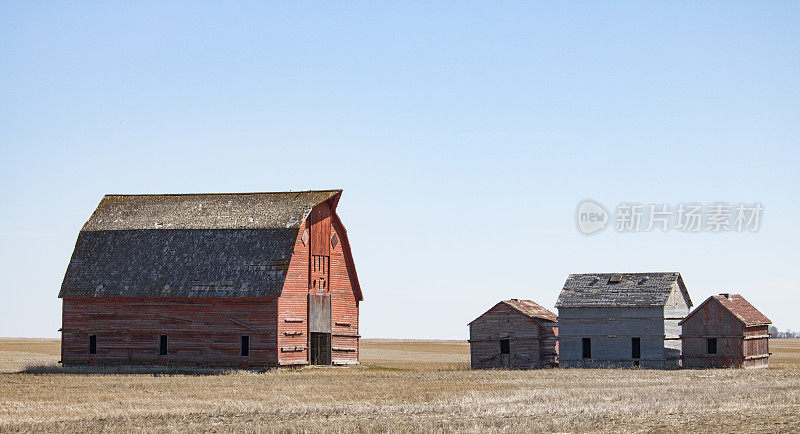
{"x":401,"y":386}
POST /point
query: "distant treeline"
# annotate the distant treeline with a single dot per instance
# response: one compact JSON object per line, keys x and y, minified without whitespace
{"x":784,"y":334}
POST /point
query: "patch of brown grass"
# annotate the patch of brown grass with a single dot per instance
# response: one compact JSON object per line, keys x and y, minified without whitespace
{"x":373,"y":398}
{"x":51,"y":347}
{"x":785,"y":353}
{"x":420,"y":355}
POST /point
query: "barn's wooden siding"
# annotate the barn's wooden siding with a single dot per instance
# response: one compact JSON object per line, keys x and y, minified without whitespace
{"x":293,"y":305}
{"x":532,"y":343}
{"x":344,"y":304}
{"x":200,"y":331}
{"x":737,"y":344}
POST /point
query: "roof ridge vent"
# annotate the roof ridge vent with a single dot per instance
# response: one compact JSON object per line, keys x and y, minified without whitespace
{"x":615,"y":278}
{"x":726,"y":295}
{"x":644,"y":279}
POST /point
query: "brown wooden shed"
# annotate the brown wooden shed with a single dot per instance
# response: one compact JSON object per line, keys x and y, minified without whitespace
{"x":725,"y":331}
{"x":244,"y":279}
{"x":514,"y":334}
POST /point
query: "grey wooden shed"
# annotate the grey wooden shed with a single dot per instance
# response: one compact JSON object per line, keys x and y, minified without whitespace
{"x":514,"y":334}
{"x":622,"y":319}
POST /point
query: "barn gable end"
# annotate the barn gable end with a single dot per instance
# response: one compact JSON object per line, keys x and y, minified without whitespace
{"x":322,"y":278}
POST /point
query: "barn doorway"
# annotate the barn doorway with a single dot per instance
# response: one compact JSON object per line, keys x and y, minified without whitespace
{"x":320,"y":348}
{"x":319,"y":329}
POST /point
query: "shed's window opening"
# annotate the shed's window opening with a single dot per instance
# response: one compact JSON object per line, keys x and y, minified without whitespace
{"x":93,"y":344}
{"x":712,"y":345}
{"x":245,"y":344}
{"x":636,"y":348}
{"x":162,"y":345}
{"x":587,"y":348}
{"x":505,"y":346}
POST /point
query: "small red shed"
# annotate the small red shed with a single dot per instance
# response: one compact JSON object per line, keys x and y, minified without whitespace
{"x":514,"y":334}
{"x":242,"y":279}
{"x":725,"y":331}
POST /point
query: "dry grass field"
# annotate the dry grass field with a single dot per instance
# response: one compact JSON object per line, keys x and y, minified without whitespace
{"x":402,"y":386}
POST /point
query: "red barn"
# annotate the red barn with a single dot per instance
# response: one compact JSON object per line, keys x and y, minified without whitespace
{"x":725,"y":331}
{"x":514,"y":334}
{"x":251,"y":279}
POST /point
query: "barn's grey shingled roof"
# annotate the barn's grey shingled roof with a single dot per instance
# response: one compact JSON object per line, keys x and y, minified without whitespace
{"x":634,"y":290}
{"x":192,"y":245}
{"x":205,"y":211}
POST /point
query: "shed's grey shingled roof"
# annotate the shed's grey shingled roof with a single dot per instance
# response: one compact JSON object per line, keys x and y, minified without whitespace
{"x":194,"y":245}
{"x":634,"y":290}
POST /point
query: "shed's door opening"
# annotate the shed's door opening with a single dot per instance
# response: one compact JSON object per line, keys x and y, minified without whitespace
{"x":636,"y":348}
{"x":320,"y":348}
{"x":505,"y":346}
{"x":93,"y":344}
{"x":505,"y":353}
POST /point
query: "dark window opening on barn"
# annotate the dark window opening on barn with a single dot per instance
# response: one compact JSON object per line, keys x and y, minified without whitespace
{"x":711,"y":345}
{"x":505,"y":346}
{"x":636,"y":348}
{"x":93,"y":344}
{"x":587,"y":348}
{"x":245,"y":346}
{"x":162,"y":345}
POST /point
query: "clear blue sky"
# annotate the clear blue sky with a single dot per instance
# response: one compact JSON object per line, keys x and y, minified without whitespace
{"x":464,"y":134}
